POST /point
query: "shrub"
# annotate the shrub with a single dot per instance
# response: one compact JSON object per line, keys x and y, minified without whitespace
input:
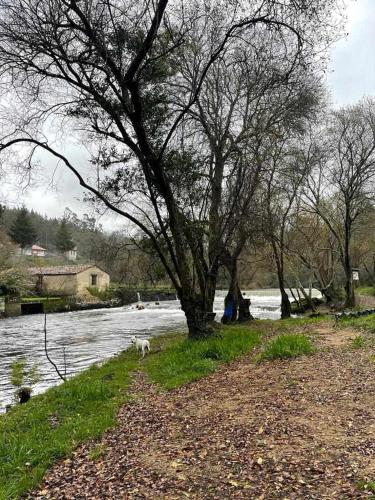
{"x":287,"y":346}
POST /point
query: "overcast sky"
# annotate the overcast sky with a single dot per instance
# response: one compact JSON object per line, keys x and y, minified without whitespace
{"x":351,"y":76}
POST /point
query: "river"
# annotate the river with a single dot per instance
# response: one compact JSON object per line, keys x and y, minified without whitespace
{"x":93,"y":336}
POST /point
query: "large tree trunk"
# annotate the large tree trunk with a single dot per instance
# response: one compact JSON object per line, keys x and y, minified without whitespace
{"x":330,"y":294}
{"x":286,"y":308}
{"x":198,"y":315}
{"x":349,"y":288}
{"x":235,"y":305}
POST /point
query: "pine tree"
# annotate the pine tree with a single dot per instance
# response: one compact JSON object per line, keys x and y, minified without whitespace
{"x":64,"y":241}
{"x":22,"y":230}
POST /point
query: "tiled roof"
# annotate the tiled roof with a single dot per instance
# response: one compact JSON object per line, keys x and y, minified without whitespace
{"x":45,"y":271}
{"x":37,"y":247}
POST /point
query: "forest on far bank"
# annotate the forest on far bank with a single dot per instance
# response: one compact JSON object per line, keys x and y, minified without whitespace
{"x":132,"y":261}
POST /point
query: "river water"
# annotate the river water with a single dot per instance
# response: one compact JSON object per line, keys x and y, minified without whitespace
{"x":93,"y":336}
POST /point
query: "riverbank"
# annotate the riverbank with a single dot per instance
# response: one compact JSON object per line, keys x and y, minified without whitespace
{"x":237,"y":432}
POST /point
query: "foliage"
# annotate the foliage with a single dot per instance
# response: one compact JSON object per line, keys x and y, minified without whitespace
{"x":100,"y":294}
{"x":14,"y":282}
{"x":22,"y":230}
{"x":64,"y":240}
{"x":287,"y":346}
{"x":22,"y":374}
{"x":7,"y":251}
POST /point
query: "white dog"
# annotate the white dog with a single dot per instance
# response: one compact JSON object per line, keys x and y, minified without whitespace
{"x":141,"y":345}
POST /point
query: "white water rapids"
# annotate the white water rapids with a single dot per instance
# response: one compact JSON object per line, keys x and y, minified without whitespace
{"x":95,"y":335}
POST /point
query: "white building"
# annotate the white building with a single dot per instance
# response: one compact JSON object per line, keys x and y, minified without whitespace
{"x":71,"y":254}
{"x":34,"y":251}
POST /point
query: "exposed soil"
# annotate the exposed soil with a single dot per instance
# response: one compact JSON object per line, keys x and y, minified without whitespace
{"x":296,"y":429}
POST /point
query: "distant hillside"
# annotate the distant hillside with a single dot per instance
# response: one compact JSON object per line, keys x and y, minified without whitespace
{"x":122,"y":257}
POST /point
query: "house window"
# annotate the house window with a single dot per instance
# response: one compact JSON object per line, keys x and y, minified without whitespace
{"x":94,"y":280}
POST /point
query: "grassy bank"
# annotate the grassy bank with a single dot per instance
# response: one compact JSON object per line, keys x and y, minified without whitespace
{"x":50,"y":426}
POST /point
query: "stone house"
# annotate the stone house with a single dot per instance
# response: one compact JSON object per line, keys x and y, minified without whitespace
{"x":69,"y":280}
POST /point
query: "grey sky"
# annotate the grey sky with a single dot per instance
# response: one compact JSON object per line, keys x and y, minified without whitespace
{"x":351,"y":76}
{"x":352,"y":68}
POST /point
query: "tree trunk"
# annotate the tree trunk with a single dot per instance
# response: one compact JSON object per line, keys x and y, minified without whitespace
{"x":306,"y":296}
{"x":349,"y":289}
{"x":235,"y":305}
{"x":330,"y":294}
{"x":286,"y":308}
{"x":199,"y":316}
{"x":244,"y":313}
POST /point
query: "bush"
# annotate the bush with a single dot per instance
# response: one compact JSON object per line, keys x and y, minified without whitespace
{"x":288,"y":346}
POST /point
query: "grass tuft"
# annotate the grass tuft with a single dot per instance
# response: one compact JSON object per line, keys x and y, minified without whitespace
{"x":287,"y":346}
{"x":367,"y":486}
{"x":358,"y":342}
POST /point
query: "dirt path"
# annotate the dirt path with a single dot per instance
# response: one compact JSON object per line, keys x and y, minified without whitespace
{"x":300,"y":429}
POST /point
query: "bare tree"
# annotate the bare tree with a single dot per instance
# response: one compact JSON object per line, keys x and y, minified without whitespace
{"x":283,"y":183}
{"x":341,"y":187}
{"x":107,"y":71}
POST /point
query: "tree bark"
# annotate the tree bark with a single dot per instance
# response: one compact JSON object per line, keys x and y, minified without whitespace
{"x":286,"y":308}
{"x":234,"y":300}
{"x":349,"y":289}
{"x":198,"y":315}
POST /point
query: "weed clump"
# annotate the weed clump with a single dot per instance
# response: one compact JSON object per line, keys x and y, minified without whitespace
{"x":358,"y":342}
{"x":287,"y":346}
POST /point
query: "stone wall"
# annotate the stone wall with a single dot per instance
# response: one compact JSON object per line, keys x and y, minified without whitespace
{"x":64,"y":284}
{"x":84,"y":280}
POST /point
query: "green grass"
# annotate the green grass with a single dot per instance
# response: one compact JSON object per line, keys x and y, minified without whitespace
{"x":287,"y":346}
{"x":369,"y":291}
{"x":363,"y":322}
{"x":183,"y":360}
{"x":299,"y":322}
{"x":367,"y":486}
{"x":52,"y":425}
